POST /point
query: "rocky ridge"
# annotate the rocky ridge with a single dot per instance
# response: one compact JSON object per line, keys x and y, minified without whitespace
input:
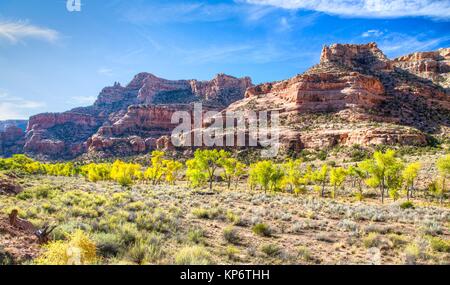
{"x":355,"y":95}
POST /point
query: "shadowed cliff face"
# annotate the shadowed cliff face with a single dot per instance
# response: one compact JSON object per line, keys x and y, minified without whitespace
{"x":355,"y":95}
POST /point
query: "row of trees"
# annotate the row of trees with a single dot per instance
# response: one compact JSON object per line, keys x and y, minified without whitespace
{"x":384,"y":171}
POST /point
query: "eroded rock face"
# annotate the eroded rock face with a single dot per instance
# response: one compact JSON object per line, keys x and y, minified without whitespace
{"x":434,"y":66}
{"x":365,"y":137}
{"x":354,"y":85}
{"x":12,"y":140}
{"x":137,"y":131}
{"x":59,"y":135}
{"x":351,"y":85}
{"x":357,"y":57}
{"x":129,"y":119}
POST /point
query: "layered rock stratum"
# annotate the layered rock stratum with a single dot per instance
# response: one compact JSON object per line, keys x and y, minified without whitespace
{"x":357,"y":96}
{"x":354,"y":95}
{"x":124,"y":120}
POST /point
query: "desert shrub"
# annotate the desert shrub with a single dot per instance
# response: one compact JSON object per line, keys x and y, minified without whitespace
{"x":412,"y":254}
{"x":262,"y":230}
{"x":231,"y":252}
{"x":271,"y":250}
{"x":202,"y":213}
{"x":145,"y":251}
{"x":108,"y":244}
{"x":439,"y":244}
{"x":233,"y":218}
{"x":196,"y":236}
{"x":397,"y":240}
{"x":407,"y":205}
{"x":79,"y":249}
{"x":431,"y":227}
{"x":357,"y":153}
{"x":230,"y":234}
{"x":304,"y":253}
{"x":322,"y":155}
{"x":372,"y":240}
{"x":5,"y":257}
{"x":193,"y":255}
{"x":129,"y":233}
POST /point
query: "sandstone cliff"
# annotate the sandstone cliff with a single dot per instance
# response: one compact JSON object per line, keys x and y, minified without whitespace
{"x":129,"y":119}
{"x":356,"y":95}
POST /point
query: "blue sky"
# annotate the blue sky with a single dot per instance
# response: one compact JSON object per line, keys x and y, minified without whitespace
{"x":52,"y":60}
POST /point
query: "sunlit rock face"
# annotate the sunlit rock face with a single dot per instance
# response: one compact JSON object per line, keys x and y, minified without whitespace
{"x":125,"y":119}
{"x":354,"y":95}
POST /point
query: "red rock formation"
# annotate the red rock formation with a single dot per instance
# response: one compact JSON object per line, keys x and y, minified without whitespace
{"x":12,"y":140}
{"x":59,"y":134}
{"x":354,"y":83}
{"x":115,"y":124}
{"x":434,"y":65}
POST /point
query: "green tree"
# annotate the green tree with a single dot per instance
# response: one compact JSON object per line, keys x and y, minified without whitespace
{"x":384,"y":171}
{"x":156,"y":171}
{"x":337,"y":178}
{"x":294,"y":178}
{"x":358,"y":176}
{"x":409,"y":175}
{"x":194,"y":174}
{"x":232,"y":170}
{"x":320,"y":178}
{"x":443,"y":166}
{"x":125,"y":173}
{"x":266,"y":174}
{"x":172,"y":169}
{"x":207,"y":161}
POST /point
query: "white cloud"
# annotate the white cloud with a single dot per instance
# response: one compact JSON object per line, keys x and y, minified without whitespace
{"x":16,"y":107}
{"x":372,"y":34}
{"x":17,"y":31}
{"x":367,"y":8}
{"x":397,"y":44}
{"x":105,"y":71}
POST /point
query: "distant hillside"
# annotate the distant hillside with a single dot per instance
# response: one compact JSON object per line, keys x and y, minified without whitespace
{"x":17,"y":123}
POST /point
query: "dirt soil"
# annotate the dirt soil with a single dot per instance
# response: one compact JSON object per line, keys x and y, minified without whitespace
{"x":20,"y":245}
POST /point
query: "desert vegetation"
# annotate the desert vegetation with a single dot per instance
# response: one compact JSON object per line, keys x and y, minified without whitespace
{"x":382,"y":208}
